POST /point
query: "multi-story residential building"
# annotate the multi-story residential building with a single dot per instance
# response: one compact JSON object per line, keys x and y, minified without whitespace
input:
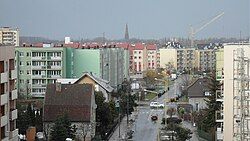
{"x":37,"y":67}
{"x":206,"y":59}
{"x":139,"y":57}
{"x":8,"y":91}
{"x":180,"y":58}
{"x":235,"y":93}
{"x":151,"y":62}
{"x":9,"y":36}
{"x":111,"y":64}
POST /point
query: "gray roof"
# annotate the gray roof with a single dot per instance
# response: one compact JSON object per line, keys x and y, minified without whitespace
{"x":103,"y":83}
{"x":73,"y":100}
{"x":198,"y":88}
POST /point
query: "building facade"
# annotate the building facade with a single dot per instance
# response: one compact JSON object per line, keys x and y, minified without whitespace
{"x":9,"y":36}
{"x":236,"y":92}
{"x":8,"y":91}
{"x":110,"y":64}
{"x":37,"y":67}
{"x":206,"y":60}
{"x":180,"y":58}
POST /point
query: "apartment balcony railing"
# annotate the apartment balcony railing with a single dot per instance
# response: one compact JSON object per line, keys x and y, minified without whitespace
{"x":4,"y":77}
{"x":14,"y":134}
{"x":4,"y":99}
{"x":4,"y":120}
{"x":54,"y":58}
{"x":54,"y":67}
{"x":39,"y":85}
{"x":219,"y":115}
{"x":38,"y":94}
{"x":13,"y":74}
{"x":14,"y":94}
{"x":219,"y":95}
{"x":38,"y":57}
{"x":13,"y":114}
{"x":38,"y":76}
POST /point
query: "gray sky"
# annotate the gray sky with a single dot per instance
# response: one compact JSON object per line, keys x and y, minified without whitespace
{"x":146,"y":19}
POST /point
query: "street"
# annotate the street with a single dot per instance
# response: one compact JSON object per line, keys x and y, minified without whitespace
{"x":144,"y":128}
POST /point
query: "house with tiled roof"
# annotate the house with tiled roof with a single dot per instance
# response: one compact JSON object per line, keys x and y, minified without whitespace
{"x":198,"y":92}
{"x":100,"y":85}
{"x":77,"y":101}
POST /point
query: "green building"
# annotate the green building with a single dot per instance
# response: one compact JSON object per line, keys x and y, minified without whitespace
{"x":39,"y":66}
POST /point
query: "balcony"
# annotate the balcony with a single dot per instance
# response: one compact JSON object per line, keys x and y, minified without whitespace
{"x":38,"y":57}
{"x":4,"y":120}
{"x":14,"y":94}
{"x":55,"y":67}
{"x":54,"y":76}
{"x":38,"y":95}
{"x":219,"y":116}
{"x":38,"y":67}
{"x":55,"y":58}
{"x":4,"y":98}
{"x":38,"y":76}
{"x":13,"y":114}
{"x":219,"y":95}
{"x":14,"y":134}
{"x":39,"y":85}
{"x":4,"y":77}
{"x":13,"y":74}
{"x":219,"y":134}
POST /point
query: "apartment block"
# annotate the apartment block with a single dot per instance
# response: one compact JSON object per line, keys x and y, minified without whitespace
{"x":233,"y":118}
{"x":37,"y":67}
{"x":9,"y":36}
{"x":8,"y":91}
{"x":206,"y":59}
{"x":111,"y":64}
{"x":180,"y":58}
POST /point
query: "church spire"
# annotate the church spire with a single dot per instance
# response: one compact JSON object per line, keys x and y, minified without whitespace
{"x":126,"y":33}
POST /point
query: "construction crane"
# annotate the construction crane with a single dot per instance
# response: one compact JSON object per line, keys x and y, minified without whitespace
{"x":194,"y":31}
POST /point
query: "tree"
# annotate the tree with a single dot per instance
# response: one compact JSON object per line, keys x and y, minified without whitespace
{"x":176,"y":133}
{"x":207,"y":120}
{"x":62,"y":129}
{"x":104,"y":114}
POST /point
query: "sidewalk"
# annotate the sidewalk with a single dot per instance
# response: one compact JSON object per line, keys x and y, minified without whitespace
{"x":123,"y":129}
{"x":195,"y":136}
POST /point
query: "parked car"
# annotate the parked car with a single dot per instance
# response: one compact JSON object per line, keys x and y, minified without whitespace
{"x":154,"y":117}
{"x":156,"y":105}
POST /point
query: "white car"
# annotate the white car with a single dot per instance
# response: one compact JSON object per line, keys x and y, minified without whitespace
{"x":156,"y":105}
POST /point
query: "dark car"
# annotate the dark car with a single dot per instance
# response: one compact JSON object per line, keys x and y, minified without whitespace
{"x":154,"y":117}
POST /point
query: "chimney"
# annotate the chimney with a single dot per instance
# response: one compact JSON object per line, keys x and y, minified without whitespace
{"x":58,"y":86}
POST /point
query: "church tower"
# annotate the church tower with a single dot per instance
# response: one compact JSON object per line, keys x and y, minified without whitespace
{"x":126,"y":33}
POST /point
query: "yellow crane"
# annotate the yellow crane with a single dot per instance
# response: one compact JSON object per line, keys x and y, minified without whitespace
{"x":194,"y":31}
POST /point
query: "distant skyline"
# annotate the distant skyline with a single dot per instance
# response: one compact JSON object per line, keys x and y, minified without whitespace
{"x":146,"y":19}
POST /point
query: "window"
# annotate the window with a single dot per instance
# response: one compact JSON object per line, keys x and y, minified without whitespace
{"x":21,"y":81}
{"x":28,"y":71}
{"x":28,"y":63}
{"x":139,"y":57}
{"x":21,"y":63}
{"x":28,"y":54}
{"x":21,"y":72}
{"x":21,"y":54}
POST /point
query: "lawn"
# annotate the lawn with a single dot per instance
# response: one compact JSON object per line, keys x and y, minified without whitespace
{"x":150,"y":96}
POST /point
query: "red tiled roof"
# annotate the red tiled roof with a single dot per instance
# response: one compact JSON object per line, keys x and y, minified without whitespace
{"x":139,"y":46}
{"x":73,"y":100}
{"x":151,"y":47}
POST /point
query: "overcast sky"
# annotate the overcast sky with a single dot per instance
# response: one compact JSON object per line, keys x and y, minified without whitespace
{"x":146,"y":19}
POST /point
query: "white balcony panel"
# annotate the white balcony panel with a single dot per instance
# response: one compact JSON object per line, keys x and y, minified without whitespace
{"x":38,"y":58}
{"x":14,"y":94}
{"x":4,"y":77}
{"x":13,"y":114}
{"x":4,"y":120}
{"x":219,"y":135}
{"x":56,"y":67}
{"x":56,"y":58}
{"x":4,"y":98}
{"x":38,"y":67}
{"x":5,"y":139}
{"x":14,"y":135}
{"x":14,"y":74}
{"x":38,"y":95}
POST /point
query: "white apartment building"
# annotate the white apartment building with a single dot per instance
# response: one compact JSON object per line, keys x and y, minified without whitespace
{"x":8,"y":92}
{"x":181,"y":59}
{"x":235,"y":94}
{"x":9,"y":36}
